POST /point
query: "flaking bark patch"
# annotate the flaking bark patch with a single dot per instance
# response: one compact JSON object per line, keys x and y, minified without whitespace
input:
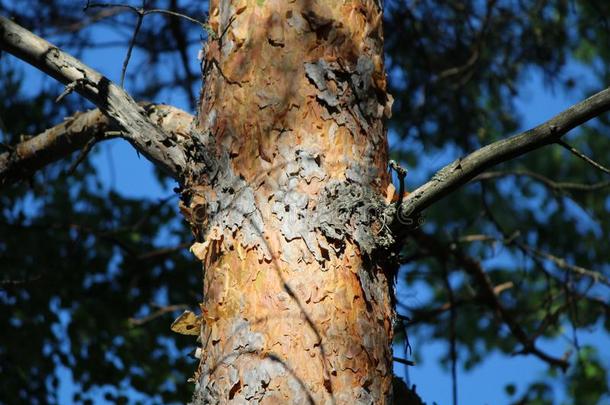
{"x":226,"y":202}
{"x":350,"y":210}
{"x":289,"y":168}
{"x":340,"y":88}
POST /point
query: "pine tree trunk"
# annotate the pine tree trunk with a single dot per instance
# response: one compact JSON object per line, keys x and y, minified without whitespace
{"x":286,"y":196}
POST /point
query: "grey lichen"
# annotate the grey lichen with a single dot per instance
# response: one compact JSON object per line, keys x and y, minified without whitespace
{"x":320,"y":72}
{"x":356,"y":211}
{"x":309,"y":165}
{"x":364,"y":171}
{"x":343,"y":208}
{"x":353,"y":90}
{"x":230,"y":201}
{"x":245,"y":344}
{"x":291,"y":206}
{"x":362,"y":81}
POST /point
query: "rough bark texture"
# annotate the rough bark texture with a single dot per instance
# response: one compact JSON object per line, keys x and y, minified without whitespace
{"x":286,"y":195}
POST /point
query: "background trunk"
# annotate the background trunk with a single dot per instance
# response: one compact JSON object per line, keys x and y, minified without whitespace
{"x":287,"y":187}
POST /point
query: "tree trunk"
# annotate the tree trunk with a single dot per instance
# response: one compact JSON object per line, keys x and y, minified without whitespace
{"x":286,"y":194}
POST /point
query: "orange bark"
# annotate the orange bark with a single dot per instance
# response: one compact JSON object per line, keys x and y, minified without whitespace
{"x":286,"y":198}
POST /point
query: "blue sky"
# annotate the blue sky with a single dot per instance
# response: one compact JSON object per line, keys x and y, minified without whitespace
{"x":124,"y":171}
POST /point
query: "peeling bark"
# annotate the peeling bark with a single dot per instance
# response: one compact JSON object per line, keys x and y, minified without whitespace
{"x":288,"y":206}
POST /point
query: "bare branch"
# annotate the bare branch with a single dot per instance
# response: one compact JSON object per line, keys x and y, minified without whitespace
{"x":110,"y":5}
{"x":159,"y":147}
{"x":584,"y":157}
{"x":85,"y":22}
{"x":75,"y":133}
{"x":462,"y":170}
{"x":426,"y":315}
{"x":554,"y":185}
{"x":164,"y":252}
{"x":564,"y":265}
{"x":14,"y":282}
{"x":54,"y":144}
{"x":179,"y":15}
{"x":533,"y":252}
{"x":458,"y":70}
{"x":403,"y":361}
{"x":83,"y":154}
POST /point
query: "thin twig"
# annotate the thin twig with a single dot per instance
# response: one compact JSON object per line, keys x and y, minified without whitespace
{"x":132,"y":43}
{"x":82,"y":155}
{"x":563,"y":264}
{"x":155,"y":254}
{"x":403,"y":361}
{"x":584,"y":157}
{"x":554,"y":185}
{"x":420,"y":315}
{"x":21,"y":281}
{"x":160,"y":312}
{"x":116,"y":5}
{"x":141,"y":11}
{"x":452,"y":332}
{"x":176,"y":14}
{"x":175,"y":26}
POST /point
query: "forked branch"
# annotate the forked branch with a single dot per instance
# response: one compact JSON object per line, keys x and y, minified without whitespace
{"x":74,"y":134}
{"x":161,"y":148}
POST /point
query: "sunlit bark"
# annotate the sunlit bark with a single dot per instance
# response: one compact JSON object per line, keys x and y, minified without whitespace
{"x":289,"y":206}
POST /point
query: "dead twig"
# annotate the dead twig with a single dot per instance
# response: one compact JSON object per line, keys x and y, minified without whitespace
{"x":160,"y":312}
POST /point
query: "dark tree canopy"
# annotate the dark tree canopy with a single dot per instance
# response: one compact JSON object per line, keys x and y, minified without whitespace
{"x":91,"y":279}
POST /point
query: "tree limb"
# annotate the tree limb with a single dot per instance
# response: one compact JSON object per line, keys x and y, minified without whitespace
{"x":162,"y":149}
{"x":74,"y":133}
{"x":462,"y":170}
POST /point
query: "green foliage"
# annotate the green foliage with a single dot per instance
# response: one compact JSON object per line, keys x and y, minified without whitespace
{"x":588,"y":381}
{"x":72,"y":280}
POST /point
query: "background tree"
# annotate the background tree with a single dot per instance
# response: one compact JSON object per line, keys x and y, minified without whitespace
{"x":514,"y":259}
